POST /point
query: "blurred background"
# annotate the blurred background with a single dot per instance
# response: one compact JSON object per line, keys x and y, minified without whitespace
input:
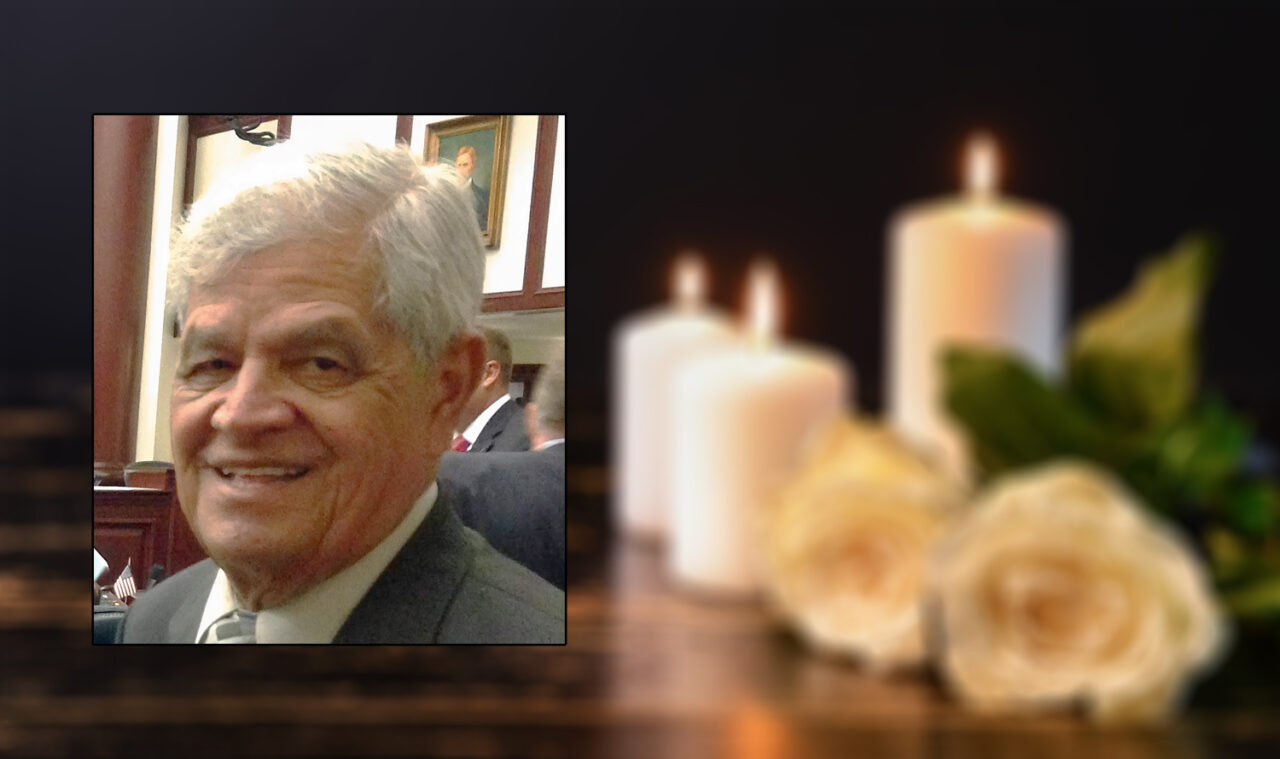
{"x":801,"y":139}
{"x":731,"y":131}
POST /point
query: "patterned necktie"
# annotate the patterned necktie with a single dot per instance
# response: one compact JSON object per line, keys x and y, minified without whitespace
{"x":460,"y":444}
{"x":235,"y":626}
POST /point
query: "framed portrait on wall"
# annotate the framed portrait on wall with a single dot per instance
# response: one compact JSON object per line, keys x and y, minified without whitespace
{"x":476,"y":146}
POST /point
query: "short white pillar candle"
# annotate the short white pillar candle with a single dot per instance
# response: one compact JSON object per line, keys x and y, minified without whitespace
{"x":648,"y":347}
{"x":741,"y":418}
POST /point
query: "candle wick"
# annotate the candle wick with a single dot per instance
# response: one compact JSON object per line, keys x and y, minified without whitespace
{"x":762,"y":305}
{"x":982,"y":167}
{"x":690,"y":283}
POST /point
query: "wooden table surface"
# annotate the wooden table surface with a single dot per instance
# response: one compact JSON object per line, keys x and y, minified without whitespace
{"x":649,"y":671}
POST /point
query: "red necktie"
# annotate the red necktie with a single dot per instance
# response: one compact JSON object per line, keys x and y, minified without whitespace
{"x":460,"y":444}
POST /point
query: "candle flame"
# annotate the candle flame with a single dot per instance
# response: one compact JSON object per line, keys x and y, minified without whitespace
{"x":689,"y":282}
{"x":982,"y":165}
{"x":763,"y":303}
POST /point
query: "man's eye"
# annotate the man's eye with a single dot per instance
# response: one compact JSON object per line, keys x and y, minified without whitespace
{"x":212,"y":365}
{"x":211,"y":372}
{"x":322,"y":372}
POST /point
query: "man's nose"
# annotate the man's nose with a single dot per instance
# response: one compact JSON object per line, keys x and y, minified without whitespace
{"x":254,"y":403}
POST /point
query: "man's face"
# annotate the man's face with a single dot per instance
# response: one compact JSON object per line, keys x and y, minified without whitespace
{"x":464,"y":166}
{"x":303,"y":429}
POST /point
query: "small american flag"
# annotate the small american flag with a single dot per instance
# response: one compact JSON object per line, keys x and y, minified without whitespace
{"x":124,"y":586}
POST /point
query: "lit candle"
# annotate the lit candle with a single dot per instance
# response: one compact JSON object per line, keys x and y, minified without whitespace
{"x":978,"y":269}
{"x":741,"y":418}
{"x":647,"y":349}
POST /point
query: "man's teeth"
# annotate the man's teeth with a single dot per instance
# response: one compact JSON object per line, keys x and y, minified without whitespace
{"x":264,"y":471}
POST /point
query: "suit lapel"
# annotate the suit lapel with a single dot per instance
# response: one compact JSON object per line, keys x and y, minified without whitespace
{"x":494,"y":427}
{"x":186,"y":618}
{"x":408,"y":601}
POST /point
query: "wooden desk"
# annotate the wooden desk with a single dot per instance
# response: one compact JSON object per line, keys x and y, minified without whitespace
{"x":145,"y":526}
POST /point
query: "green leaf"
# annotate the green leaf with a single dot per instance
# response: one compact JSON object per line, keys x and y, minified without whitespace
{"x":1133,"y":360}
{"x":1258,"y":599}
{"x":1200,"y":453}
{"x":1253,"y":507}
{"x":1014,"y":418}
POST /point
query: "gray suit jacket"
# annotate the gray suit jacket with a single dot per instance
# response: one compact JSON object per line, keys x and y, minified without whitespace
{"x":447,"y":585}
{"x":505,"y":431}
{"x":515,"y":500}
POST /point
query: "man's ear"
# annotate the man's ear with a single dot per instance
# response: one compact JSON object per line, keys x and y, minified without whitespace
{"x":458,"y":371}
{"x":491,"y":372}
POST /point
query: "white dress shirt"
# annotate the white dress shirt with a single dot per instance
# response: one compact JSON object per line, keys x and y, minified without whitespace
{"x":473,"y":430}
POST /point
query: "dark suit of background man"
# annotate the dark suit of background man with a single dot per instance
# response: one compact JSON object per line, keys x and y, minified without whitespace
{"x":516,"y":500}
{"x":491,"y":420}
{"x":326,"y":355}
{"x":465,"y":165}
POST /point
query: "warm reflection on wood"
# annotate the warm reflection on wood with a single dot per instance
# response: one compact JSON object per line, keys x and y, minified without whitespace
{"x":43,"y":481}
{"x":37,"y":422}
{"x":43,"y":536}
{"x":30,"y":602}
{"x":756,"y":732}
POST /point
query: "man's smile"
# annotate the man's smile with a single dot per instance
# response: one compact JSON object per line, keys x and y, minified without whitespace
{"x":259,"y":474}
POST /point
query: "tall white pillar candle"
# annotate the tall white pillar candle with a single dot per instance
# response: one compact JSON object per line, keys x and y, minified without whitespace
{"x":647,"y":349}
{"x":976,"y":269}
{"x":741,"y":418}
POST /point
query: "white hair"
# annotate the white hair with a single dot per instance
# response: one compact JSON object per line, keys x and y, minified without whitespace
{"x":413,"y":221}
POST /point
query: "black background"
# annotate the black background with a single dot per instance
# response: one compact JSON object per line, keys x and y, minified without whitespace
{"x":799,"y":139}
{"x":735,"y":130}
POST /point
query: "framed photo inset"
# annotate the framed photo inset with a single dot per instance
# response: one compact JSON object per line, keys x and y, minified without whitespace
{"x":476,"y":146}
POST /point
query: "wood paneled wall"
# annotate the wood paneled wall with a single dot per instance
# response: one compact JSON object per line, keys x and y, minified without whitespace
{"x":533,"y":295}
{"x":124,"y":157}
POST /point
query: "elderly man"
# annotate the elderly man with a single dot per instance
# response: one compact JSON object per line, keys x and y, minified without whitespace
{"x":326,"y":353}
{"x":516,"y":500}
{"x":493,"y":420}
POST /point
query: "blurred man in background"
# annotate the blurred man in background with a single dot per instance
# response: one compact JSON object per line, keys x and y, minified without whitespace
{"x":516,"y":500}
{"x":492,"y":420}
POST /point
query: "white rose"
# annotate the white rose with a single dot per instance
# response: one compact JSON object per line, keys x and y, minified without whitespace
{"x":1060,"y":588}
{"x":847,"y":543}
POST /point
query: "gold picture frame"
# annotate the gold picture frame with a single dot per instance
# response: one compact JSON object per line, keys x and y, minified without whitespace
{"x":488,"y":139}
